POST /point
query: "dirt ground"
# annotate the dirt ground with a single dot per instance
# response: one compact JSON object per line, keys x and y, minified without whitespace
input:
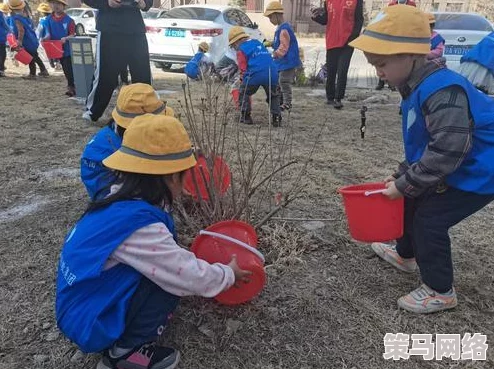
{"x":327,"y":307}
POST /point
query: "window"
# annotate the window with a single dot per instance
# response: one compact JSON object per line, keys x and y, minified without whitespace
{"x":434,"y":7}
{"x":192,"y":13}
{"x":89,"y":14}
{"x":244,"y":19}
{"x":74,"y":12}
{"x":470,"y":22}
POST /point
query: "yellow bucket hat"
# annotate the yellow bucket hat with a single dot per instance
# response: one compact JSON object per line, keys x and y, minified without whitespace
{"x":16,"y":4}
{"x":204,"y":46}
{"x":44,"y":8}
{"x":58,"y":1}
{"x":153,"y":144}
{"x":273,"y":7}
{"x":4,"y":8}
{"x":135,"y":100}
{"x":236,"y":33}
{"x":398,"y":29}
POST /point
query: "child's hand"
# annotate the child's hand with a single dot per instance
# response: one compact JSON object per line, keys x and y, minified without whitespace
{"x":389,"y":179}
{"x":240,"y":274}
{"x":63,"y":39}
{"x":391,"y":191}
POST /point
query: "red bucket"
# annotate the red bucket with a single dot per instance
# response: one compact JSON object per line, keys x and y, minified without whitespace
{"x":213,"y":249}
{"x":22,"y":56}
{"x":372,"y":217}
{"x":236,"y":97}
{"x":221,"y":177}
{"x":53,"y":49}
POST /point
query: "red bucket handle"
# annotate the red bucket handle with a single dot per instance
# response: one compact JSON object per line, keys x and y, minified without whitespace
{"x":235,"y":241}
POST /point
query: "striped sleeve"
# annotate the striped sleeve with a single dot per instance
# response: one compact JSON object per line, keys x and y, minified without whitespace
{"x":450,"y":128}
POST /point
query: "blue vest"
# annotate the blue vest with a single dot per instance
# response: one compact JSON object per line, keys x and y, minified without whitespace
{"x":482,"y":53}
{"x":91,"y":303}
{"x":4,"y":29}
{"x":476,"y":172}
{"x":436,"y":41}
{"x":96,"y":177}
{"x":59,"y":29}
{"x":259,"y":64}
{"x":42,"y":30}
{"x":291,"y":59}
{"x":192,"y":68}
{"x":30,"y":41}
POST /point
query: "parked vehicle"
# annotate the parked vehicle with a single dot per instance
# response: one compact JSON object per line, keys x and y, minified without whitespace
{"x":153,"y":13}
{"x":174,"y":38}
{"x":462,"y":31}
{"x":85,"y":20}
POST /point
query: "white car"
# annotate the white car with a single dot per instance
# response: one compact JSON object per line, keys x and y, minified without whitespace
{"x":153,"y":13}
{"x":462,"y":31}
{"x":174,"y":38}
{"x":85,"y":20}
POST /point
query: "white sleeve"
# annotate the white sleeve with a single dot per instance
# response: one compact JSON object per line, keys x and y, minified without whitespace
{"x":152,"y":251}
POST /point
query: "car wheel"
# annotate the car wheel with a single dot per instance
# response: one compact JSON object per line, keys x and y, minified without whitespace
{"x":79,"y":30}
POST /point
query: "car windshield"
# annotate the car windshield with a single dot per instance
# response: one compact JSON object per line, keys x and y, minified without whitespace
{"x":74,"y":12}
{"x":468,"y":22}
{"x":150,"y":14}
{"x":192,"y":13}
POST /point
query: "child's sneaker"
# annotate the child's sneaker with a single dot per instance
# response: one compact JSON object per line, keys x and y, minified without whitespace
{"x":425,"y":300}
{"x":44,"y":73}
{"x":389,"y":253}
{"x":70,"y":91}
{"x":29,"y":77}
{"x":148,"y":356}
{"x":245,"y":118}
{"x":338,"y":105}
{"x":276,"y":120}
{"x":286,"y":107}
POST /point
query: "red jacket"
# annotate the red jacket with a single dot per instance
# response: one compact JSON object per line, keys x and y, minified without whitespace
{"x":345,"y":20}
{"x":409,"y":2}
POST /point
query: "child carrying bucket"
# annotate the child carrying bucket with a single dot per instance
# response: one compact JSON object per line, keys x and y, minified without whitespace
{"x":448,"y":133}
{"x":60,"y":28}
{"x":121,"y":273}
{"x":4,"y":31}
{"x":133,"y":101}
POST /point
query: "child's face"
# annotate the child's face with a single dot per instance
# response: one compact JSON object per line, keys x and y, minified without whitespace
{"x":175,"y":183}
{"x":394,"y":69}
{"x":57,"y":7}
{"x":273,"y":18}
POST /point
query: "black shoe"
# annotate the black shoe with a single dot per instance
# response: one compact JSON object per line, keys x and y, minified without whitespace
{"x":400,"y":111}
{"x":337,"y":104}
{"x":284,"y":107}
{"x":380,"y":85}
{"x":330,"y":102}
{"x":276,"y":120}
{"x":246,"y":119}
{"x":148,"y":356}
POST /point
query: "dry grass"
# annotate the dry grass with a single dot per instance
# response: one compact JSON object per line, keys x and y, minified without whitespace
{"x":328,"y":301}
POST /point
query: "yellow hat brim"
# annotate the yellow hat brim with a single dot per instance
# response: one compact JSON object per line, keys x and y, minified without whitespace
{"x":125,"y":121}
{"x":237,"y":38}
{"x":129,"y":163}
{"x":267,"y":13}
{"x":18,"y":7}
{"x":384,"y":47}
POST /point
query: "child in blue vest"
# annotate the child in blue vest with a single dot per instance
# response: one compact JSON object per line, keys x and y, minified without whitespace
{"x":257,"y":69}
{"x":4,"y":31}
{"x":437,"y":42}
{"x":61,"y":27}
{"x":121,"y":273}
{"x":23,"y":30}
{"x":477,"y":65}
{"x":200,"y":64}
{"x":448,"y":133}
{"x":286,"y":53}
{"x":44,"y":12}
{"x":133,"y":101}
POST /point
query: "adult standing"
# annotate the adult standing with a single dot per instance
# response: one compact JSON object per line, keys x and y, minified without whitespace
{"x":344,"y":22}
{"x":121,"y":42}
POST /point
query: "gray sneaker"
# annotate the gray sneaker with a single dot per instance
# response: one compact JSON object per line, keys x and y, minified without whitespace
{"x":389,"y":253}
{"x":425,"y":300}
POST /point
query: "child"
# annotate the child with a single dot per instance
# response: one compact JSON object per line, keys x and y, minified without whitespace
{"x":257,"y":69}
{"x":4,"y":31}
{"x":477,"y":65}
{"x":286,"y":53}
{"x":121,"y":273}
{"x":61,"y":27}
{"x":437,"y":42}
{"x":133,"y":100}
{"x":44,"y":12}
{"x":448,"y":133}
{"x":200,"y":64}
{"x":22,"y":28}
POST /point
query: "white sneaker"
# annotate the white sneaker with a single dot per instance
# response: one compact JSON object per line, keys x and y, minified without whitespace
{"x":87,"y":116}
{"x":389,"y":253}
{"x":425,"y":300}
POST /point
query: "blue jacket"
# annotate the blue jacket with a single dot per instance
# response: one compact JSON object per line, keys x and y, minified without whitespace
{"x":96,"y":177}
{"x":58,"y":29}
{"x":482,"y":53}
{"x":91,"y":303}
{"x":192,"y":68}
{"x":4,"y":29}
{"x":42,"y":29}
{"x":476,"y":172}
{"x":30,"y":41}
{"x":260,"y":64}
{"x":291,"y":59}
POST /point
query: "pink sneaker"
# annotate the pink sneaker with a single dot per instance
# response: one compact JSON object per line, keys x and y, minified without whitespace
{"x":148,"y":356}
{"x":425,"y":300}
{"x":389,"y":253}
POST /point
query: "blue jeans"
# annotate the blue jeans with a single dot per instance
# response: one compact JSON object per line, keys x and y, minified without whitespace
{"x":149,"y":312}
{"x":428,"y":219}
{"x":247,"y":90}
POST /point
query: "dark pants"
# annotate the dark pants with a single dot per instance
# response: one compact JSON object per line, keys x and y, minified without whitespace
{"x":337,"y":62}
{"x":427,"y":222}
{"x":149,"y":312}
{"x":114,"y":52}
{"x":66,"y":63}
{"x":36,"y":60}
{"x":272,"y":97}
{"x":3,"y":56}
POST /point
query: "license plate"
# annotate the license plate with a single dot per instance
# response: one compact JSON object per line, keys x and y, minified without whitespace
{"x":457,"y":50}
{"x":173,"y":32}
